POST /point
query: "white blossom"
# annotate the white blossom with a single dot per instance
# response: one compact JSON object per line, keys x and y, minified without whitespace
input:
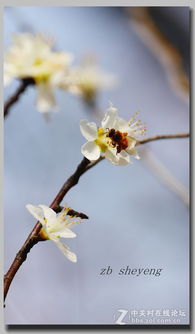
{"x":55,"y":226}
{"x":116,"y":138}
{"x":31,"y":56}
{"x":87,"y":80}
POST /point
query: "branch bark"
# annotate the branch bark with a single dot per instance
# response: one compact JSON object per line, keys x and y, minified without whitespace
{"x":34,"y":238}
{"x":14,"y":98}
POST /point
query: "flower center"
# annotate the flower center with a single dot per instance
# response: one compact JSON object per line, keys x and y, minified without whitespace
{"x":43,"y":234}
{"x":118,"y":139}
{"x":101,"y":140}
{"x":41,"y":70}
{"x":38,"y":61}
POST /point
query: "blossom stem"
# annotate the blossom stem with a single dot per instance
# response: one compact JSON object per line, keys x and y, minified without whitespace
{"x":33,"y":237}
{"x":15,"y":97}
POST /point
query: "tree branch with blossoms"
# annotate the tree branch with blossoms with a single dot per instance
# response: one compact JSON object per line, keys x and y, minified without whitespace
{"x":34,"y":236}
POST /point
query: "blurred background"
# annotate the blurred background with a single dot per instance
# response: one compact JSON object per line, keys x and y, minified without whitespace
{"x":139,"y":214}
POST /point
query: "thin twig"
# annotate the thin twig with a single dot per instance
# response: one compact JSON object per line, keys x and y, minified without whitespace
{"x":157,"y":137}
{"x":33,"y":237}
{"x":14,"y":98}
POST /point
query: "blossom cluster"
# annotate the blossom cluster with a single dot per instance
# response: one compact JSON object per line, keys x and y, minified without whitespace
{"x":33,"y":57}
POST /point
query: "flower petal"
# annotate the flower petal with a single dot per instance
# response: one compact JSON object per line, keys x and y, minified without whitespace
{"x":88,"y":130}
{"x":48,"y":212}
{"x":121,"y":158}
{"x":9,"y":73}
{"x":66,"y":251}
{"x":124,"y":158}
{"x":133,"y":152}
{"x":131,"y":142}
{"x":110,"y":118}
{"x":37,"y":212}
{"x":7,"y":78}
{"x":122,"y":125}
{"x":64,"y":233}
{"x":90,"y":150}
{"x":45,"y":98}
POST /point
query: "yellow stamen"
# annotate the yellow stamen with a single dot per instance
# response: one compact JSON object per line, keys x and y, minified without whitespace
{"x":38,"y":61}
{"x":42,"y":77}
{"x":101,"y":141}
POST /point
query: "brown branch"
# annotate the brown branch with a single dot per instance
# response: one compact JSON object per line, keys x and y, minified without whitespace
{"x":33,"y":237}
{"x":14,"y":98}
{"x":158,"y":137}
